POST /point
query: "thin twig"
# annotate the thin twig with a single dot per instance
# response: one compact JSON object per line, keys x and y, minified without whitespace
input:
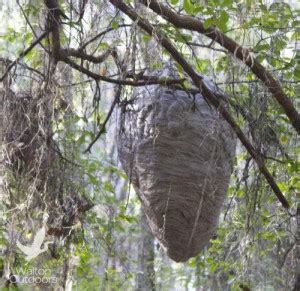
{"x":207,"y":46}
{"x":28,"y":22}
{"x":23,"y":54}
{"x":8,"y":61}
{"x":103,"y":127}
{"x":101,"y":34}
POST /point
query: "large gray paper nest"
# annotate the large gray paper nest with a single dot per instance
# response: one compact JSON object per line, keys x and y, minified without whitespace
{"x":177,"y":152}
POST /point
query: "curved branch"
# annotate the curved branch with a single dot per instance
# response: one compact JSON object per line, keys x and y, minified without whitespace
{"x":59,"y":54}
{"x":207,"y":93}
{"x":84,"y":56}
{"x":244,"y":54}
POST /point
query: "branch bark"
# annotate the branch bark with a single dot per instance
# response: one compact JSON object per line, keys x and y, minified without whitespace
{"x":54,"y":14}
{"x":144,"y":80}
{"x":84,"y":56}
{"x":244,"y":54}
{"x":60,"y":54}
{"x":209,"y":95}
{"x":297,"y":255}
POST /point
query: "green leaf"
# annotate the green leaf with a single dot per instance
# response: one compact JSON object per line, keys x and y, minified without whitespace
{"x":174,"y":2}
{"x":188,"y":7}
{"x":240,"y":193}
{"x":127,"y":218}
{"x":108,"y":187}
{"x":30,"y":56}
{"x":226,"y":3}
{"x":28,"y":37}
{"x":183,"y":37}
{"x":104,"y":46}
{"x":222,"y":23}
{"x":209,"y":22}
{"x":203,"y":64}
{"x":261,"y":47}
{"x":297,"y":73}
{"x":115,"y":25}
{"x":93,"y":180}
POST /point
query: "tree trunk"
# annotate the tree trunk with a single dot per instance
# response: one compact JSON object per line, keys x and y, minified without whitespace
{"x":8,"y":257}
{"x":297,"y":268}
{"x":145,"y":279}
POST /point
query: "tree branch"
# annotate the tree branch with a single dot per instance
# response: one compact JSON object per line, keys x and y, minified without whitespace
{"x":101,"y":34}
{"x":145,"y":80}
{"x":23,"y":54}
{"x":63,"y":55}
{"x":54,"y":14}
{"x":213,"y":99}
{"x":206,"y":46}
{"x":244,"y":54}
{"x":82,"y":55}
{"x":103,"y":127}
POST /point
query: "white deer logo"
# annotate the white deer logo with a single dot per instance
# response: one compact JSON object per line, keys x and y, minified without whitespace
{"x":36,"y":247}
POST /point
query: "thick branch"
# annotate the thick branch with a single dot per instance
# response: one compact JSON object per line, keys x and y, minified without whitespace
{"x":63,"y":55}
{"x":191,"y":23}
{"x":82,"y":55}
{"x":213,"y":99}
{"x":145,"y":80}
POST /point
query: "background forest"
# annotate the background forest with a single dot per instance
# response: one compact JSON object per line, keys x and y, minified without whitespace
{"x":67,"y":68}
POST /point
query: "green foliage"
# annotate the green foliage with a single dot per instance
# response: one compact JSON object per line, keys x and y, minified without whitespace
{"x":188,"y":7}
{"x":254,"y":233}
